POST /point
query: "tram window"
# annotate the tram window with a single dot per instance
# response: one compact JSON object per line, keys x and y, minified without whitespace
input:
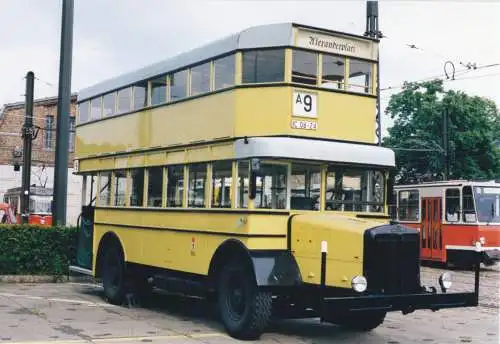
{"x":175,"y":186}
{"x":83,"y":112}
{"x":178,"y":85}
{"x":264,"y":66}
{"x":196,"y":185}
{"x":243,"y":182}
{"x":108,"y":104}
{"x":305,"y":185}
{"x":224,"y":72}
{"x":137,"y":192}
{"x":271,"y":186}
{"x":360,"y":76}
{"x":140,"y":95}
{"x":222,"y":172}
{"x":159,"y":90}
{"x":468,"y":205}
{"x":120,"y":187}
{"x":200,"y":79}
{"x":95,"y":108}
{"x":452,"y":205}
{"x":155,"y":186}
{"x":104,"y":188}
{"x":487,"y":203}
{"x":304,"y":67}
{"x":408,"y":205}
{"x":124,"y":98}
{"x":333,"y":72}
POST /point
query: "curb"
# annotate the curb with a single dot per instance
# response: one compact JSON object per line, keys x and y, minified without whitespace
{"x":44,"y":279}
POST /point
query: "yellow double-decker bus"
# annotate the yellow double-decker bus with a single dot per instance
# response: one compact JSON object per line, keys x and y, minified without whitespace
{"x":245,"y":171}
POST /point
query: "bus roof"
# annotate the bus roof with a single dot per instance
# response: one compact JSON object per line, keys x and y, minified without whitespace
{"x":264,"y":36}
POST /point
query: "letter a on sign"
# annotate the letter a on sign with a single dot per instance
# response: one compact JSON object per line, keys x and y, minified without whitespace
{"x":304,"y":104}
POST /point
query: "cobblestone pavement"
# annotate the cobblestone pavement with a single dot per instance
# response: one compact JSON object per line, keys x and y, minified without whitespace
{"x":76,"y":313}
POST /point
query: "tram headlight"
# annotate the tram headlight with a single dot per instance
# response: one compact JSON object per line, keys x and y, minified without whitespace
{"x":445,"y":281}
{"x":359,"y":284}
{"x":482,"y":240}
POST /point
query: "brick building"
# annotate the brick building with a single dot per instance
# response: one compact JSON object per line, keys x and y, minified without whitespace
{"x":43,"y":153}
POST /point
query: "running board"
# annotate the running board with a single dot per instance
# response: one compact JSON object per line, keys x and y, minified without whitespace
{"x":80,"y":270}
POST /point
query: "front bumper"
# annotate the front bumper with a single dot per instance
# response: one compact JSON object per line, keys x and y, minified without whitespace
{"x":491,"y":254}
{"x":404,"y":303}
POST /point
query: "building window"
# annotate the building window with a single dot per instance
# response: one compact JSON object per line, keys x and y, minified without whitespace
{"x":271,"y":186}
{"x":178,"y":85}
{"x":105,"y":188}
{"x":124,"y":98}
{"x":224,"y":72}
{"x":408,"y":204}
{"x":175,"y":186}
{"x":137,"y":194}
{"x":305,"y":187}
{"x":120,"y":187}
{"x":196,"y":188}
{"x":48,"y":134}
{"x":140,"y":95}
{"x":360,"y":76}
{"x":304,"y":67}
{"x":452,"y":205}
{"x":222,"y":178}
{"x":159,"y":90}
{"x":243,"y":182}
{"x":264,"y":66}
{"x":95,"y":108}
{"x":200,"y":79}
{"x":155,"y":186}
{"x":71,"y":146}
{"x":333,"y":72}
{"x":108,"y":104}
{"x":83,"y":112}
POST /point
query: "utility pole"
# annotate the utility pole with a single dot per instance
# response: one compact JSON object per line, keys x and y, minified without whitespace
{"x":63,"y":111}
{"x":372,"y":30}
{"x":28,"y":134}
{"x":446,"y":160}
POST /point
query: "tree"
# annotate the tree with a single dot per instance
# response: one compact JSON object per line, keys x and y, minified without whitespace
{"x":417,"y":134}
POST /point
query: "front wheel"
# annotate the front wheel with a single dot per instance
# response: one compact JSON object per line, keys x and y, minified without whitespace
{"x":362,"y":321}
{"x":113,"y":275}
{"x":245,"y":310}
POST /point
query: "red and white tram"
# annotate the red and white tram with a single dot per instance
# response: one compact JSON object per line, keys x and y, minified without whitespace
{"x":454,"y":218}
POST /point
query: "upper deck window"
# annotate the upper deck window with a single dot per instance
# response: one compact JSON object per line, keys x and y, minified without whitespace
{"x":200,"y":79}
{"x":333,"y":74}
{"x":264,"y":66}
{"x":159,"y":90}
{"x":140,"y":95}
{"x":360,"y":76}
{"x":124,"y":100}
{"x":83,"y":112}
{"x":95,"y":108}
{"x":224,"y":72}
{"x":304,"y":67}
{"x":108,"y":104}
{"x":178,"y":82}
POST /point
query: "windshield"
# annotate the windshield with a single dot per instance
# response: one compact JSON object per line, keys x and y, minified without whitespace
{"x":40,"y":204}
{"x":487,"y":203}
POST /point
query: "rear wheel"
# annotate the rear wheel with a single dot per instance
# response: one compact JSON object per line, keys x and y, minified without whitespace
{"x":362,"y":321}
{"x":245,"y":310}
{"x":113,"y":274}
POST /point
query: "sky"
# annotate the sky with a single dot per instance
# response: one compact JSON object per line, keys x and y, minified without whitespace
{"x":116,"y":36}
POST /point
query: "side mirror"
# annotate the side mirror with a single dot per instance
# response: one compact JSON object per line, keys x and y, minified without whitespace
{"x":254,"y":168}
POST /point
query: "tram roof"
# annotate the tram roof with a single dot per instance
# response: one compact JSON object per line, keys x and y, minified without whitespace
{"x":264,"y":36}
{"x":448,"y":183}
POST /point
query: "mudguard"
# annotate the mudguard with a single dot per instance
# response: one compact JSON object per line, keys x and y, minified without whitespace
{"x":275,"y":268}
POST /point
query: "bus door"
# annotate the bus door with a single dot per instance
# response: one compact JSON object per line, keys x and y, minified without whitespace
{"x":86,"y":228}
{"x":431,"y":232}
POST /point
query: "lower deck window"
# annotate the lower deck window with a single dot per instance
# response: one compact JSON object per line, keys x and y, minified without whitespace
{"x":155,"y":186}
{"x":305,"y":187}
{"x":137,"y":194}
{"x":222,"y":173}
{"x":175,"y":186}
{"x":271,"y":186}
{"x":196,"y":189}
{"x":120,"y":187}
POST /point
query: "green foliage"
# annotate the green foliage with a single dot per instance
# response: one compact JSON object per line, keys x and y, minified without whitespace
{"x":417,"y":134}
{"x":35,"y":250}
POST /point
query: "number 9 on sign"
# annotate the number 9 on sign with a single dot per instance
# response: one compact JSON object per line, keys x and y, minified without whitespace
{"x":304,"y":104}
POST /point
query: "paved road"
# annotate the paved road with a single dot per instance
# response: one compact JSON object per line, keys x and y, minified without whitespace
{"x":75,"y":313}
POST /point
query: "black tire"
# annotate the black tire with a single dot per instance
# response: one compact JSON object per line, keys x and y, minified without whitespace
{"x":245,"y":310}
{"x":362,"y":322}
{"x":113,"y":274}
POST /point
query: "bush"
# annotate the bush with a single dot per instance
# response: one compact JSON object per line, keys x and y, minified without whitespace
{"x":34,"y":250}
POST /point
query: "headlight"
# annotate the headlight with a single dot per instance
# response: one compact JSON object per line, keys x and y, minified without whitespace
{"x":445,"y":281}
{"x":359,"y":284}
{"x":482,"y":240}
{"x":478,"y":246}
